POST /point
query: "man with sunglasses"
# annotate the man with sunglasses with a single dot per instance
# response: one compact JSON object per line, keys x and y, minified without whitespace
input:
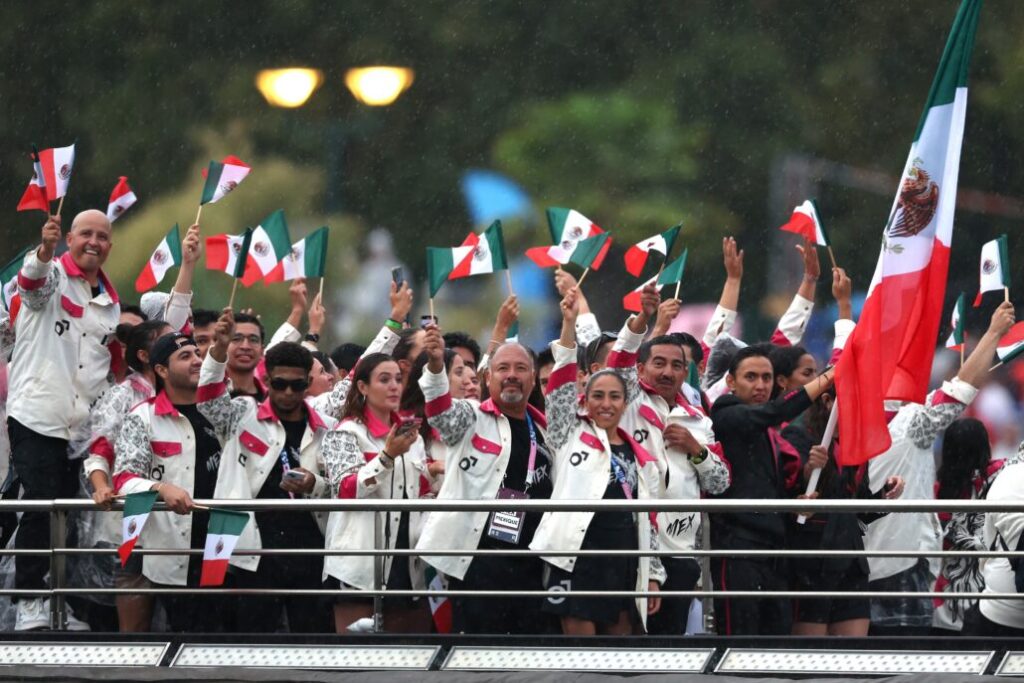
{"x":271,"y":451}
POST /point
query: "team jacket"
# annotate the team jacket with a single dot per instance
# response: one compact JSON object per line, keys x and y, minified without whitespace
{"x":108,"y":415}
{"x":354,"y":471}
{"x":61,"y":362}
{"x":582,"y":467}
{"x":479,"y":442}
{"x":332,"y":403}
{"x":252,"y":438}
{"x":645,"y":418}
{"x":156,"y":444}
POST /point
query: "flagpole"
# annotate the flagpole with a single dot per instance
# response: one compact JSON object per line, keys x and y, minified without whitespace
{"x":198,"y":214}
{"x":579,"y":282}
{"x":1006,"y":290}
{"x":826,"y":441}
{"x":321,"y":290}
{"x":995,"y":366}
{"x":963,"y":343}
{"x":677,"y":289}
{"x":234,"y":286}
{"x":508,"y":279}
{"x":60,"y":206}
{"x":433,"y":318}
{"x":831,"y":255}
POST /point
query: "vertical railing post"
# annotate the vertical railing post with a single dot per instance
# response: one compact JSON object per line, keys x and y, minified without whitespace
{"x":707,"y":604}
{"x":378,"y":575}
{"x":58,"y":538}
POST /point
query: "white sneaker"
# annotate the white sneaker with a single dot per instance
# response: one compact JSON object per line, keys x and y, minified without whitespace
{"x":32,"y":614}
{"x":74,"y":623}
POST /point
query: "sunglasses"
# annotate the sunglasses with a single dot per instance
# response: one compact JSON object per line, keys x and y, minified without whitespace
{"x":296,"y":385}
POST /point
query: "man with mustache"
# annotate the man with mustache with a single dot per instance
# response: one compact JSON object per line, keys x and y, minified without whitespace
{"x":61,"y":364}
{"x":496,"y":450}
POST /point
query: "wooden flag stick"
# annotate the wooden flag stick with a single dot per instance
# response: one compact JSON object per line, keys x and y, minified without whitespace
{"x":198,"y":214}
{"x":826,"y":441}
{"x":677,"y":289}
{"x":962,"y":345}
{"x":1006,"y":290}
{"x":995,"y":366}
{"x":234,"y":286}
{"x":579,"y":283}
{"x":321,"y":290}
{"x":433,"y":318}
{"x":200,"y":507}
{"x":508,"y":279}
{"x":60,"y":205}
{"x":831,"y":255}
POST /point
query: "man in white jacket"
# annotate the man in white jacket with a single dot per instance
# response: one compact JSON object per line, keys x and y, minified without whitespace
{"x":61,"y":365}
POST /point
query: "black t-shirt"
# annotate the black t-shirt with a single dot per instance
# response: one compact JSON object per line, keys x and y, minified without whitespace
{"x":280,"y":529}
{"x":622,"y":455}
{"x":259,"y":395}
{"x":207,"y":462}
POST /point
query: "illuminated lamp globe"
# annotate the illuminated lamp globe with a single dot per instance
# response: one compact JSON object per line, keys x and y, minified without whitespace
{"x":378,"y":86}
{"x":289,"y":88}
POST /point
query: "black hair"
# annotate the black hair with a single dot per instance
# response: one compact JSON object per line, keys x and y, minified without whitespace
{"x":325,"y":361}
{"x":966,"y":452}
{"x":140,"y":338}
{"x":345,"y":356}
{"x":645,"y":348}
{"x":545,"y":357}
{"x":689,"y":341}
{"x":461,"y":339}
{"x":785,"y":360}
{"x":251,"y":320}
{"x":134,"y":310}
{"x":288,"y":355}
{"x":753,"y":351}
{"x":605,"y":373}
{"x":202,"y":317}
{"x":413,"y":401}
{"x":406,"y":341}
{"x":362,"y":372}
{"x":598,"y":349}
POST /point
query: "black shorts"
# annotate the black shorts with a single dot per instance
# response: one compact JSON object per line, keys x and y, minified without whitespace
{"x":828,"y":610}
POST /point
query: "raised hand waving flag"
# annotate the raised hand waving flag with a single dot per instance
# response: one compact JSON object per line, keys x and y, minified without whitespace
{"x":890,"y":353}
{"x":166,"y":255}
{"x":636,"y":255}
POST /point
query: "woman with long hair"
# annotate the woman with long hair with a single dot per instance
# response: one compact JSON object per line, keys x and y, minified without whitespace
{"x":413,"y":405}
{"x":966,"y":473}
{"x":374,"y":453}
{"x":595,"y":460}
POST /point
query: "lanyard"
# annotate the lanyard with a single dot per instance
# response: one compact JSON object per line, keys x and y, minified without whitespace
{"x":532,"y":462}
{"x":620,"y":477}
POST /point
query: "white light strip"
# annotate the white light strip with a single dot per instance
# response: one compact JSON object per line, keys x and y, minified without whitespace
{"x":576,"y":659}
{"x":408,"y":658}
{"x":1012,"y":664}
{"x":887,"y":662}
{"x":81,"y":654}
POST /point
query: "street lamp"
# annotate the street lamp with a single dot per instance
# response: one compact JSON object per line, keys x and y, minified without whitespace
{"x":288,"y":88}
{"x":378,"y":86}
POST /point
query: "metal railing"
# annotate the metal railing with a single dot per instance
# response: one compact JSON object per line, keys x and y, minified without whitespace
{"x":58,"y":552}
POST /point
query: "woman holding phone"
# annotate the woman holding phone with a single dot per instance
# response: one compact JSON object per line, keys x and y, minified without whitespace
{"x":375,"y":454}
{"x":595,"y":459}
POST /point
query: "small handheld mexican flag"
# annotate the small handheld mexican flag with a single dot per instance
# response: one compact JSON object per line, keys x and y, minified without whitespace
{"x":994,"y":270}
{"x":166,"y":255}
{"x":956,"y":337}
{"x":121,"y":198}
{"x":806,"y":221}
{"x":440,"y":606}
{"x":636,"y":255}
{"x":222,"y":177}
{"x":270,"y":244}
{"x":477,"y":255}
{"x":673,"y":273}
{"x":221,"y":537}
{"x":35,"y":193}
{"x":9,"y":277}
{"x":229,"y":253}
{"x":1011,"y":345}
{"x":568,"y":228}
{"x":631,"y":302}
{"x":308,"y":259}
{"x":137,"y":507}
{"x":56,"y":165}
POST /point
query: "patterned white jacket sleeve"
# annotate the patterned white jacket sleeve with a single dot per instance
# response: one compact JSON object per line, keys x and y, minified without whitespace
{"x":333,"y":402}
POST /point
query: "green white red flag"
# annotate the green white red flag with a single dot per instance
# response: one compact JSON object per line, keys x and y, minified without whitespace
{"x":890,"y":353}
{"x":137,"y":507}
{"x":590,"y":253}
{"x":477,"y":255}
{"x":229,"y":253}
{"x":673,"y":272}
{"x":1012,"y":343}
{"x":270,"y":244}
{"x":222,"y":177}
{"x":806,"y":221}
{"x":166,"y":255}
{"x":221,"y":538}
{"x":440,"y":606}
{"x":121,"y":198}
{"x":57,"y":164}
{"x":956,"y":337}
{"x":994,"y":269}
{"x":636,"y":255}
{"x":568,"y":228}
{"x":631,"y":302}
{"x":35,"y":194}
{"x":308,"y":259}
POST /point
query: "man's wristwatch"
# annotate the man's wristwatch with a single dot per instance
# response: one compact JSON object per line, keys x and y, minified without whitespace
{"x":699,"y":458}
{"x":312,"y":337}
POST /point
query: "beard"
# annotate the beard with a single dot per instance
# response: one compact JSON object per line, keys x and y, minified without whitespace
{"x":512,"y":395}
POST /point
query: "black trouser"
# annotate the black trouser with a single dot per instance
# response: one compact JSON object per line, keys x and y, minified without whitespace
{"x":670,"y":620}
{"x":751,"y":616}
{"x":977,"y":624}
{"x":501,"y":615}
{"x":306,"y":614}
{"x":45,"y":472}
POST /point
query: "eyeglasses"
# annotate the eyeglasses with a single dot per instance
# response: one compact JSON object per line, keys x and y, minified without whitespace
{"x":281,"y":384}
{"x":253,"y":339}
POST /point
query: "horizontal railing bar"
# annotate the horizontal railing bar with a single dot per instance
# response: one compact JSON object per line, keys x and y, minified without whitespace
{"x":406,"y":552}
{"x":361,"y":594}
{"x":716,"y":505}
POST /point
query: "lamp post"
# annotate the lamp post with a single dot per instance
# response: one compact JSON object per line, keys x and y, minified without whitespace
{"x":375,"y":86}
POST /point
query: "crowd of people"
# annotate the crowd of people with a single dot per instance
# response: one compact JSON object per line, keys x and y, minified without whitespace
{"x":108,"y":399}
